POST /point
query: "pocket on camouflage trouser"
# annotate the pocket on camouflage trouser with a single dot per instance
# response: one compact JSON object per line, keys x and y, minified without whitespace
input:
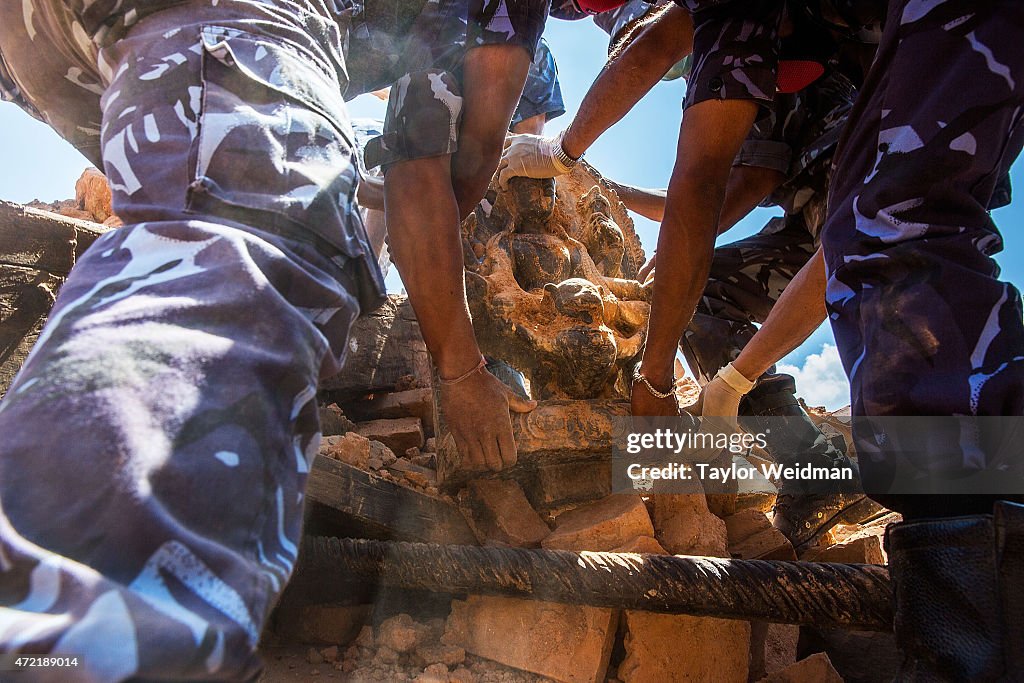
{"x":274,"y":146}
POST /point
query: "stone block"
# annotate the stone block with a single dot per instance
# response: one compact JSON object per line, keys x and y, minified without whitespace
{"x":498,"y":512}
{"x":566,"y":483}
{"x":568,"y":643}
{"x":602,"y":525}
{"x":391,"y":405}
{"x":399,"y":434}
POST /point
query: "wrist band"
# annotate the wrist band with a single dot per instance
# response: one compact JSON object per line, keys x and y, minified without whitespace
{"x":479,"y":366}
{"x":735,"y":379}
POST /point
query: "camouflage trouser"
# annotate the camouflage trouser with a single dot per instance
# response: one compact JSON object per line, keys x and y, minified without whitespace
{"x":746,"y":279}
{"x":923,"y":324}
{"x":156,"y":444}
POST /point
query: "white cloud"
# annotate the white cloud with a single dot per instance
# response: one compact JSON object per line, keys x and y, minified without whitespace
{"x":821,"y":380}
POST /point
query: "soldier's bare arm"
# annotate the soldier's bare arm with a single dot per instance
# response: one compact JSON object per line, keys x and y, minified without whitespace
{"x":629,"y":76}
{"x":709,"y":138}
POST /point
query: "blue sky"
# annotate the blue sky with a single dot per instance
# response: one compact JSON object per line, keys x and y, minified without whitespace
{"x":639,"y":150}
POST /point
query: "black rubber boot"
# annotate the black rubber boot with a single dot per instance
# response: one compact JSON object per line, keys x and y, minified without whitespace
{"x":959,"y":590}
{"x":799,"y":513}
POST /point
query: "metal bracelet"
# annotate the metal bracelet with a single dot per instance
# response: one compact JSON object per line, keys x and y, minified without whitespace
{"x":637,"y":377}
{"x":559,"y":153}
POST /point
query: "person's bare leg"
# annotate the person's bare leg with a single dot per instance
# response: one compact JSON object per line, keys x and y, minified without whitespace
{"x":533,"y":125}
{"x":492,"y":82}
{"x":797,"y":313}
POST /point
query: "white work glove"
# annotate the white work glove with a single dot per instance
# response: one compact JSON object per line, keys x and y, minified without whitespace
{"x":722,"y":395}
{"x":532,"y":156}
{"x":719,"y":403}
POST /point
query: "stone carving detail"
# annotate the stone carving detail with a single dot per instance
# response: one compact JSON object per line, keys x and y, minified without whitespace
{"x":550,"y":274}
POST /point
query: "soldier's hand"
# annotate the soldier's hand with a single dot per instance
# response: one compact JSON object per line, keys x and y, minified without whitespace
{"x":532,"y":156}
{"x":722,"y":395}
{"x":477,"y":413}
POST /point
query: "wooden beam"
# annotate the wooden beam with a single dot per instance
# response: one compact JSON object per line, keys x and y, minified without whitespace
{"x":43,"y":240}
{"x":350,"y":496}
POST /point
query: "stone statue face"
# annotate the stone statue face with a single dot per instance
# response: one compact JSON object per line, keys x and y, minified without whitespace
{"x":548,"y":273}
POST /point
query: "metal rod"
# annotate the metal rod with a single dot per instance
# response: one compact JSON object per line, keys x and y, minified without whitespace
{"x":824,"y":594}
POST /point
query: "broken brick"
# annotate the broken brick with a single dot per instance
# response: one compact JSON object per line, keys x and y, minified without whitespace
{"x":399,"y":434}
{"x":685,"y":526}
{"x":815,"y":669}
{"x":497,"y":510}
{"x":861,"y":550}
{"x":333,"y":421}
{"x":401,"y":634}
{"x":664,"y":648}
{"x":602,"y":525}
{"x":569,"y":643}
{"x":752,"y":537}
{"x":350,"y":448}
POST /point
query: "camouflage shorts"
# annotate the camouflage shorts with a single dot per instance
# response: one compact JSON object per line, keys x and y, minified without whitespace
{"x":425,"y":105}
{"x":60,"y":84}
{"x":735,"y":52}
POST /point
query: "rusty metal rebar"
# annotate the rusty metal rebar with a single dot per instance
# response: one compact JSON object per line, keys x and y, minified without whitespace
{"x":824,"y":594}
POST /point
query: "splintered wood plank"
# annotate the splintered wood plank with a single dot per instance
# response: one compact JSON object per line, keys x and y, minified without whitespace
{"x":348,"y":494}
{"x":26,"y":295}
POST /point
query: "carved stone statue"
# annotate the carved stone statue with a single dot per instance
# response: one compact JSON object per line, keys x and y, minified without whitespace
{"x":550,"y":276}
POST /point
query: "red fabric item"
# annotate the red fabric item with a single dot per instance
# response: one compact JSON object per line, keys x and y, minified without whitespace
{"x":797,"y":74}
{"x":597,"y":6}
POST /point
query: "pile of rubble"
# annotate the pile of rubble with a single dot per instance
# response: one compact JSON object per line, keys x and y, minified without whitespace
{"x":550,"y":268}
{"x":484,"y":638}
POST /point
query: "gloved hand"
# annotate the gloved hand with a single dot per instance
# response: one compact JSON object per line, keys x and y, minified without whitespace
{"x":719,"y":404}
{"x":532,"y":156}
{"x":722,"y":395}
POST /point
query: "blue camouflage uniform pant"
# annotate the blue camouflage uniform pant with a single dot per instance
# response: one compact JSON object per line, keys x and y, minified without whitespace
{"x":157,"y":441}
{"x":923,"y":323}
